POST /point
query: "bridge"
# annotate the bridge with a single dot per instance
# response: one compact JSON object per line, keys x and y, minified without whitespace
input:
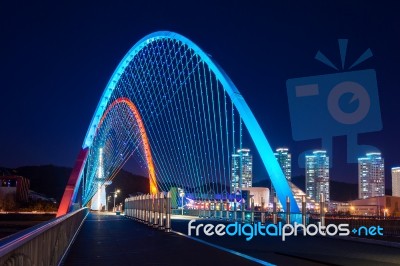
{"x":172,"y":109}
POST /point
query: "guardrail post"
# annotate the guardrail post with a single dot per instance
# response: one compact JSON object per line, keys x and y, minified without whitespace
{"x":221,"y":209}
{"x":144,"y":208}
{"x":155,"y":208}
{"x":209,"y":208}
{"x":136,"y":207}
{"x":235,"y":210}
{"x":287,"y":210}
{"x":201,"y":209}
{"x":303,"y":210}
{"x":150,"y":209}
{"x":243,"y":212}
{"x":161,"y":211}
{"x":252,"y":210}
{"x":147,"y":207}
{"x":322,"y":209}
{"x":215,"y":209}
{"x":227,"y":209}
{"x":141,"y":208}
{"x":262,"y":217}
{"x":168,"y":213}
{"x":274,"y":214}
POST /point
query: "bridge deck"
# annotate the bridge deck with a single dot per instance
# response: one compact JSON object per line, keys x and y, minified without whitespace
{"x":116,"y":240}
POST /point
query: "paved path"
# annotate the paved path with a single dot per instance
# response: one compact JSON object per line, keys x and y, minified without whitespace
{"x":302,"y":250}
{"x":116,"y":240}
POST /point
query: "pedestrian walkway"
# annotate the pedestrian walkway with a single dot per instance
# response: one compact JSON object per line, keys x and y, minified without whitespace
{"x":117,"y":240}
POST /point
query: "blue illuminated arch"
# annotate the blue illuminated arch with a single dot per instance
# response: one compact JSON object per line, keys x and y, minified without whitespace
{"x":263,"y":147}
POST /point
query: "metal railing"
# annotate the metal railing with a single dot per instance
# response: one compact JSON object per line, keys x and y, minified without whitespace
{"x":237,"y":214}
{"x":44,"y":244}
{"x":153,"y":210}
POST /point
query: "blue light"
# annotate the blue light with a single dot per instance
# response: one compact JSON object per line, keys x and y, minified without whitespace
{"x":261,"y":143}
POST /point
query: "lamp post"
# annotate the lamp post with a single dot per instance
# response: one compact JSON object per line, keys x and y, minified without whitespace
{"x":115,"y":192}
{"x":108,"y":203}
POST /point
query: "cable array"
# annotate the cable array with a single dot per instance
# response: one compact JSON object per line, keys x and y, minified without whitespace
{"x":191,"y":124}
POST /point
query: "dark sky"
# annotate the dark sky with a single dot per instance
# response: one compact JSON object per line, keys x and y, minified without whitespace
{"x":57,"y":58}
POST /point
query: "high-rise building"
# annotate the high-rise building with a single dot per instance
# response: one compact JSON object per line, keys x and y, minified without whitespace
{"x":396,"y":181}
{"x":241,"y":171}
{"x":317,"y":175}
{"x":284,"y":159}
{"x":371,"y":176}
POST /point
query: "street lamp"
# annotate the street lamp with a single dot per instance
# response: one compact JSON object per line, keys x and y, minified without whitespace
{"x":352,"y":209}
{"x":115,"y":195}
{"x":385,"y":213}
{"x":108,"y":203}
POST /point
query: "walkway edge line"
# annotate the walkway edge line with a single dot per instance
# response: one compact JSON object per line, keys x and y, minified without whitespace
{"x":72,"y":241}
{"x":226,"y":250}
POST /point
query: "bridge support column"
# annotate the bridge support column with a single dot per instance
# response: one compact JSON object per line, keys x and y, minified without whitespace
{"x":168,"y":213}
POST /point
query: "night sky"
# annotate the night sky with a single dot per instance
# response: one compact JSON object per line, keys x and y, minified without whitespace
{"x":57,"y":58}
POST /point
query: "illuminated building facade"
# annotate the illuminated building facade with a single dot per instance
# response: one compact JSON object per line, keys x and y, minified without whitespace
{"x":241,"y":170}
{"x":284,"y":159}
{"x":396,"y":181}
{"x":317,"y":175}
{"x":371,"y":176}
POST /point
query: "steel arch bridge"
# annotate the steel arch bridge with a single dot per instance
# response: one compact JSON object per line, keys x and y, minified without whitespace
{"x":174,"y":109}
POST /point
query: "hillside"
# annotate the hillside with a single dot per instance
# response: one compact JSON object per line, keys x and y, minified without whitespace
{"x":340,"y":191}
{"x":51,"y":180}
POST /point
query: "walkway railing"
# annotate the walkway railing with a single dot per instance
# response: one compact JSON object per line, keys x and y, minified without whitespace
{"x":237,"y":213}
{"x":43,"y":244}
{"x":153,"y":210}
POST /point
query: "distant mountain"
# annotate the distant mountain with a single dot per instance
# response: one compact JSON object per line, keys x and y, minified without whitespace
{"x":129,"y":183}
{"x":51,"y":180}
